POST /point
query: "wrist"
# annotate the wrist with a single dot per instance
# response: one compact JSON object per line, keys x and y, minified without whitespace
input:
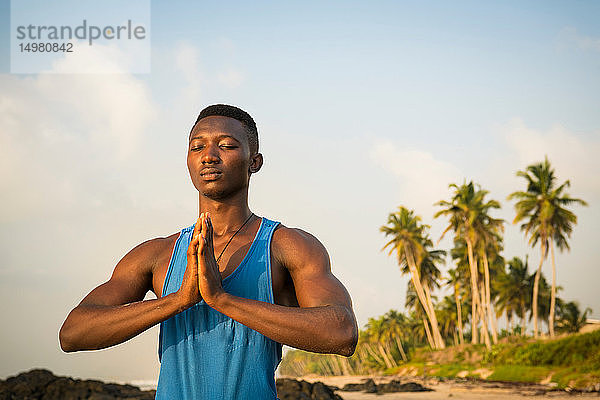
{"x":180,"y":301}
{"x":218,"y":300}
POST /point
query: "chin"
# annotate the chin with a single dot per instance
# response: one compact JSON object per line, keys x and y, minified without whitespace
{"x":220,"y":193}
{"x":215,"y":194}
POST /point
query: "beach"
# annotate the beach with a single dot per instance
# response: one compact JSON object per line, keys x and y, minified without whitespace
{"x":454,"y":389}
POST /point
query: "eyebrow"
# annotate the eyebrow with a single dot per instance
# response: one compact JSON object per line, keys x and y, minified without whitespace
{"x":222,"y":136}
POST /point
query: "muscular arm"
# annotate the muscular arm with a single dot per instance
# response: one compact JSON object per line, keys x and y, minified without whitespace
{"x":115,"y":311}
{"x":324,"y":321}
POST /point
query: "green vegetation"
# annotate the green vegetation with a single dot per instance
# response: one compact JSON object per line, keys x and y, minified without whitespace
{"x":570,"y":361}
{"x":519,"y":373}
{"x":579,"y":351}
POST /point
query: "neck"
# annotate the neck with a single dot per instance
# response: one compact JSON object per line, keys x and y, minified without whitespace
{"x":227,"y":215}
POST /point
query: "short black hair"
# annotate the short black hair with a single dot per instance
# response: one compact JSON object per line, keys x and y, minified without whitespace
{"x":225,"y":110}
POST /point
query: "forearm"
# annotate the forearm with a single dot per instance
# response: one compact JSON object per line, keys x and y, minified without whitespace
{"x":324,"y":329}
{"x":93,"y":327}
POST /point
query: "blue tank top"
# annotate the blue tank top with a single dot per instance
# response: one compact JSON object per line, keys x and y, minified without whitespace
{"x":207,"y":355}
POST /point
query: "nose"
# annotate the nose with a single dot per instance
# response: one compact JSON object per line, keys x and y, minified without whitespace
{"x":210,"y":155}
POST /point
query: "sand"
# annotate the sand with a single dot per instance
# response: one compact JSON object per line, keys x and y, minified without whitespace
{"x":467,"y":390}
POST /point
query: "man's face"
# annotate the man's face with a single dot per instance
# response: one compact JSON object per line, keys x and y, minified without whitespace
{"x":219,"y":159}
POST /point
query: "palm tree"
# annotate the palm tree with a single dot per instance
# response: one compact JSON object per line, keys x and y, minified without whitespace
{"x":544,"y":294}
{"x":396,"y":324}
{"x":417,"y":334}
{"x":570,"y":317}
{"x":378,"y":331}
{"x":409,"y":240}
{"x":460,"y":255}
{"x":429,"y":272}
{"x":468,"y":214}
{"x":418,"y":312}
{"x":448,"y":317}
{"x":547,"y":220}
{"x":514,"y":290}
{"x":490,"y":242}
{"x":455,"y":280}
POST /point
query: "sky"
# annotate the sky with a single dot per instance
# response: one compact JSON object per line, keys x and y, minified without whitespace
{"x":361,"y":107}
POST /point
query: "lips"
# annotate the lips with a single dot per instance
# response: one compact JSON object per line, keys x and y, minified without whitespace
{"x":210,"y":173}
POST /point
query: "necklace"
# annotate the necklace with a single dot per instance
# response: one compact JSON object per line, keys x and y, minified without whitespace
{"x":232,"y":236}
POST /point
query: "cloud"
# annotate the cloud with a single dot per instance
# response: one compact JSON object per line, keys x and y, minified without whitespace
{"x":187,"y":61}
{"x":569,"y":37}
{"x":423,"y":178}
{"x":231,"y":77}
{"x":61,"y":134}
{"x":574,"y":156}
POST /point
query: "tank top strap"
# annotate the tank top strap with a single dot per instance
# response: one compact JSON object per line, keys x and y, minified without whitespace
{"x":179,"y":254}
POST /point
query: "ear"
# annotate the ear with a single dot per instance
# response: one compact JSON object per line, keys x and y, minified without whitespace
{"x":256,"y":162}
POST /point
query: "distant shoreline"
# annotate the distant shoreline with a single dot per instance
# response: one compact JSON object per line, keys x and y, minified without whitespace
{"x":461,"y":389}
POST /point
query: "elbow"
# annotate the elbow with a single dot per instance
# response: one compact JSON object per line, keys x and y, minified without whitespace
{"x":348,"y":346}
{"x":67,"y":342}
{"x":348,"y":336}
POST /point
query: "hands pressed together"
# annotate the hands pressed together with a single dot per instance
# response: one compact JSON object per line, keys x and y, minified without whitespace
{"x":202,"y":279}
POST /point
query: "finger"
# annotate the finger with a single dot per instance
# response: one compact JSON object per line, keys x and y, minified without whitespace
{"x":205,"y":231}
{"x":197,"y":227}
{"x":209,"y":232}
{"x":192,"y":251}
{"x":202,"y":237}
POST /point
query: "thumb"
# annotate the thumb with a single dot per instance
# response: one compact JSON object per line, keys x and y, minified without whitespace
{"x":192,"y":251}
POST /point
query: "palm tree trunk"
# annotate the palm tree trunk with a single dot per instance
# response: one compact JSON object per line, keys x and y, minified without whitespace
{"x":372,"y":352}
{"x":536,"y":285}
{"x":400,"y":348}
{"x":553,"y":295}
{"x":484,"y":330}
{"x":363,"y":357}
{"x":488,"y":302}
{"x":523,"y":318}
{"x":388,"y":351}
{"x":334,"y":365}
{"x":434,"y":324}
{"x":384,"y":355}
{"x":416,"y":279}
{"x":459,"y":315}
{"x":346,"y":367}
{"x":474,"y":293}
{"x":325,"y":368}
{"x":428,"y":333}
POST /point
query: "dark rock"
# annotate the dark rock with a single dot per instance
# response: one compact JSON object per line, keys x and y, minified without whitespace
{"x":353,"y":387}
{"x":370,"y":386}
{"x":292,"y":389}
{"x":394,"y":386}
{"x":397,"y":386}
{"x":41,"y":384}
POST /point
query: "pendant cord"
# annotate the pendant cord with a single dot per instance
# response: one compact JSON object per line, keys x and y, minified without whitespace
{"x":232,"y":236}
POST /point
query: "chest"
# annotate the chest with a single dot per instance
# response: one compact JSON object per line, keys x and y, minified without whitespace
{"x":231,"y":256}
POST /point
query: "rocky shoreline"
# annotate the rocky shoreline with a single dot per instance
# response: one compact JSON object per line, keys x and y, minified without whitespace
{"x":44,"y":385}
{"x":41,"y":384}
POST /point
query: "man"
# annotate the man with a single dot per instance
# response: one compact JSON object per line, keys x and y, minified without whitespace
{"x":230,"y":289}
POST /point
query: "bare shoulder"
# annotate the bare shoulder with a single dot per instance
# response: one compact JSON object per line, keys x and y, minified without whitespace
{"x":149,"y":254}
{"x":309,"y":266}
{"x":293,"y":247}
